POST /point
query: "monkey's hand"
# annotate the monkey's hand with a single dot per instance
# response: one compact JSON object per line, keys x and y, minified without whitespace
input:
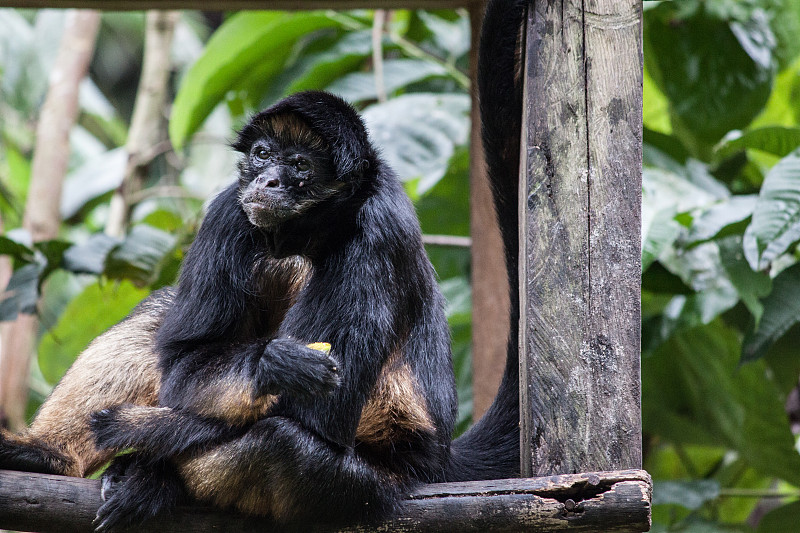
{"x":289,"y":367}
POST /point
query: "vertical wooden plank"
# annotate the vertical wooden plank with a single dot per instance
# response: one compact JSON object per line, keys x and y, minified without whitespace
{"x":580,"y":191}
{"x":490,"y":296}
{"x":613,"y":35}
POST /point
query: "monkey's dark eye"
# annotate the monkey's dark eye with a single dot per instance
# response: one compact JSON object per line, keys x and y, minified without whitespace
{"x":262,"y":154}
{"x":302,"y":165}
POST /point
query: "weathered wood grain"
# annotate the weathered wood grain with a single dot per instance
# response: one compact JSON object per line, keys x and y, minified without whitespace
{"x":580,"y":191}
{"x":602,"y":501}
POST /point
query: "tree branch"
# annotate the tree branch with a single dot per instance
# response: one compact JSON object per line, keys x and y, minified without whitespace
{"x":604,"y":501}
{"x":147,"y":124}
{"x":42,"y":216}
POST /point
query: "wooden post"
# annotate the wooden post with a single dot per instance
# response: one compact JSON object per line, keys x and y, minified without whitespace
{"x":580,"y":197}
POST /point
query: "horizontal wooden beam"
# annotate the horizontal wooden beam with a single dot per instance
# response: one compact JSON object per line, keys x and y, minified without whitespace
{"x":603,"y":501}
{"x":235,"y":5}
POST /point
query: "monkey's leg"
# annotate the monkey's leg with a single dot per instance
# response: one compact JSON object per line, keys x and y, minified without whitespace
{"x":119,"y":366}
{"x":281,"y":470}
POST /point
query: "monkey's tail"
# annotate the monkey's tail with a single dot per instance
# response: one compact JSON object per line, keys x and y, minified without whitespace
{"x":490,"y":449}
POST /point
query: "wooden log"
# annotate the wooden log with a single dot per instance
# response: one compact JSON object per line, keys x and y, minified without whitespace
{"x":235,"y":5}
{"x":602,"y":501}
{"x":580,"y":196}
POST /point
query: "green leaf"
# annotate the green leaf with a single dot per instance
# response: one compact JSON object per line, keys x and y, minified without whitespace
{"x":783,"y":518}
{"x":776,"y":140}
{"x":689,"y":494}
{"x":53,"y":255}
{"x":317,"y":71}
{"x":721,"y":219}
{"x":418,"y":133}
{"x":458,"y":294}
{"x":93,"y":311}
{"x":658,"y":280}
{"x":96,"y":177}
{"x":139,"y":256}
{"x":22,"y":292}
{"x":664,"y":195}
{"x":397,"y":73}
{"x":751,"y":286}
{"x":710,"y":92}
{"x":695,"y":391}
{"x":248,"y":47}
{"x":15,"y":249}
{"x":776,"y":218}
{"x":781,"y":312}
{"x":442,"y":209}
{"x":89,"y":257}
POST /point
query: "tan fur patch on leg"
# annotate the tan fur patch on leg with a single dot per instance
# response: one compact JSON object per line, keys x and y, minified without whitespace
{"x":394,"y":407}
{"x":225,"y":478}
{"x":119,"y":366}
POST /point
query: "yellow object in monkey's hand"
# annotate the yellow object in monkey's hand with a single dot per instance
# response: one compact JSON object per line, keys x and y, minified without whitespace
{"x":321,"y":346}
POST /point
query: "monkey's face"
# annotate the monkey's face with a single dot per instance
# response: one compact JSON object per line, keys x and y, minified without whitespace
{"x":281,"y":180}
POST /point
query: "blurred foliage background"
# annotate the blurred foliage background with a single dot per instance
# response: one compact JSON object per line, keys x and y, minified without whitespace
{"x":721,"y":205}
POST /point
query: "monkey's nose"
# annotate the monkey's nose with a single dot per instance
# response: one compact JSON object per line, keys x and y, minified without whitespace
{"x":272,"y":182}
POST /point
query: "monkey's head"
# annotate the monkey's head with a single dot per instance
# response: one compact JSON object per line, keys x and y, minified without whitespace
{"x":307,"y":151}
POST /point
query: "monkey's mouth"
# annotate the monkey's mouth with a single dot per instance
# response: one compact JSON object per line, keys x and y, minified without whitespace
{"x":266,"y":213}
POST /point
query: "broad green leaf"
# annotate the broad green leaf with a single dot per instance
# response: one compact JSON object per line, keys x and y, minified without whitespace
{"x":695,"y":391}
{"x":776,"y":219}
{"x":22,"y":292}
{"x":718,"y":220}
{"x":317,"y":71}
{"x":139,"y":256}
{"x":89,"y":257}
{"x":701,"y":269}
{"x":776,"y":140}
{"x":660,"y":234}
{"x":397,"y":73}
{"x":655,"y":107}
{"x":451,"y":37}
{"x":16,"y":249}
{"x":689,"y":494}
{"x":458,"y":293}
{"x":247,"y":44}
{"x":658,"y":280}
{"x":418,"y":133}
{"x":666,"y":146}
{"x":751,"y":286}
{"x":664,"y":195}
{"x":781,"y":312}
{"x":94,"y":178}
{"x":93,"y":311}
{"x":442,"y":209}
{"x":783,"y":106}
{"x":783,"y":518}
{"x":52,"y":253}
{"x":710,"y":92}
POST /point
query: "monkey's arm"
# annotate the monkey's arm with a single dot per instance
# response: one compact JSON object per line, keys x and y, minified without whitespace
{"x":211,"y":343}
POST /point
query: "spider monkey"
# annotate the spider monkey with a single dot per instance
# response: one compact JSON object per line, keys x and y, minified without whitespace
{"x":212,"y":382}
